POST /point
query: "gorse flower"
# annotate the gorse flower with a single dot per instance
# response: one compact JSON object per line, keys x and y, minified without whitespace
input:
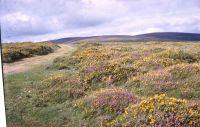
{"x":160,"y":110}
{"x":145,"y":69}
{"x":15,"y":51}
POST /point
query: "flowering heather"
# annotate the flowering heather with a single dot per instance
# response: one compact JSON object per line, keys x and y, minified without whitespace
{"x":106,"y":102}
{"x":114,"y":99}
{"x":111,"y":85}
{"x":185,"y":70}
{"x":159,"y":111}
{"x":182,"y":77}
{"x":164,"y":59}
{"x":153,"y":64}
{"x":147,"y":64}
{"x":58,"y":89}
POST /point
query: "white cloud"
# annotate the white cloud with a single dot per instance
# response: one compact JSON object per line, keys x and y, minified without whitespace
{"x":43,"y":19}
{"x":15,"y":17}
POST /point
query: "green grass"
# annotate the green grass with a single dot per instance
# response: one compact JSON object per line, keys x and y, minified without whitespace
{"x":20,"y":92}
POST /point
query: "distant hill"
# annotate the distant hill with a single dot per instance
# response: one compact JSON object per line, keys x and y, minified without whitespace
{"x":160,"y":36}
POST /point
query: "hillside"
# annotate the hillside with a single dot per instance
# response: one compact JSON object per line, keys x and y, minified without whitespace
{"x":160,"y":36}
{"x":153,"y":84}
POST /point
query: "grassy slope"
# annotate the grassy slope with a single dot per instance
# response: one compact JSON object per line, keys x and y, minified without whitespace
{"x":28,"y":106}
{"x":21,"y":110}
{"x":20,"y":92}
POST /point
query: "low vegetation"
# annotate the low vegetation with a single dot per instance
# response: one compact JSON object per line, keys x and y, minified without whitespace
{"x":159,"y":110}
{"x":181,"y":80}
{"x":110,"y":85}
{"x":16,"y":51}
{"x":105,"y":105}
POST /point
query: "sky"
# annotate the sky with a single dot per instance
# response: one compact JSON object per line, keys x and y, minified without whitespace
{"x":40,"y":20}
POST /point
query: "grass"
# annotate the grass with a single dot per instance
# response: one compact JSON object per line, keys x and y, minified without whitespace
{"x":21,"y":93}
{"x":109,"y":85}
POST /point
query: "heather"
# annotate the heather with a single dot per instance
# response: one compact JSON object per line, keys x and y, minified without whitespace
{"x":142,"y":84}
{"x":160,"y":110}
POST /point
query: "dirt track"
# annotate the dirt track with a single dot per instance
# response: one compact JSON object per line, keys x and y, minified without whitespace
{"x":28,"y":63}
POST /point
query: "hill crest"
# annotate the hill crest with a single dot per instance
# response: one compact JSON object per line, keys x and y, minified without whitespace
{"x":158,"y":36}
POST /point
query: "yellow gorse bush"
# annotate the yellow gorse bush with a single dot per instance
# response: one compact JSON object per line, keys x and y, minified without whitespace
{"x":160,"y":110}
{"x":180,"y":76}
{"x":15,"y":51}
{"x":143,"y":68}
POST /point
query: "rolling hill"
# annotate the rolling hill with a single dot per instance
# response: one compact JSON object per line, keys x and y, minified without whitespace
{"x":160,"y":36}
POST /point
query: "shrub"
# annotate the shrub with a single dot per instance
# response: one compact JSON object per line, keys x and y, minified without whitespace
{"x":51,"y":90}
{"x":160,"y":110}
{"x":15,"y":51}
{"x":102,"y":72}
{"x":147,"y":64}
{"x":172,"y":77}
{"x":97,"y":63}
{"x":75,"y":93}
{"x":59,"y":88}
{"x":65,"y":63}
{"x":106,"y":104}
{"x":164,"y":59}
{"x":177,"y":55}
{"x":182,"y":71}
{"x":114,"y":100}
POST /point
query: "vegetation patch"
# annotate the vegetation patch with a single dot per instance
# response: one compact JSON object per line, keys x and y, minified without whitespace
{"x":159,"y":110}
{"x":104,"y":105}
{"x":164,"y":59}
{"x":181,"y":77}
{"x":16,"y":51}
{"x":110,"y":85}
{"x":57,"y":89}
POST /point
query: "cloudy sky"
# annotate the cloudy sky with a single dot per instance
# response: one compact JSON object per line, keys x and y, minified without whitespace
{"x":37,"y":20}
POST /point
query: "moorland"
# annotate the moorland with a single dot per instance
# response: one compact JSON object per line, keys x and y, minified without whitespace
{"x":154,"y":84}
